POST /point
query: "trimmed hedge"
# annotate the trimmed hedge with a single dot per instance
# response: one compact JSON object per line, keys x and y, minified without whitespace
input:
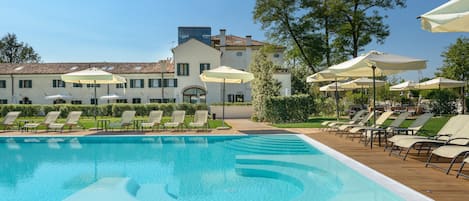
{"x":289,"y":109}
{"x":102,"y":110}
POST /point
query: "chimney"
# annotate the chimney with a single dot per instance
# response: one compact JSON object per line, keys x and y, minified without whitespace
{"x":222,"y":37}
{"x":248,"y":40}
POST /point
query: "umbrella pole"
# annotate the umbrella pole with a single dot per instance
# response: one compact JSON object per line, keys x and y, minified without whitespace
{"x":374,"y":96}
{"x":223,"y":105}
{"x":95,"y":105}
{"x":336,"y":99}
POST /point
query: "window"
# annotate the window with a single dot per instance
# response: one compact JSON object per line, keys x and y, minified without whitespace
{"x":93,"y":101}
{"x":154,"y":83}
{"x":92,"y":85}
{"x":136,"y":100}
{"x":59,"y":101}
{"x":183,"y":69}
{"x":204,"y":67}
{"x":155,"y":100}
{"x":121,"y":85}
{"x":170,"y":83}
{"x":3,"y":101}
{"x":76,"y":102}
{"x":77,"y":85}
{"x":121,"y":100}
{"x":58,"y":84}
{"x":169,"y":100}
{"x":136,"y":83}
{"x":3,"y":84}
{"x":25,"y":100}
{"x":235,"y":98}
{"x":194,"y":95}
{"x":239,"y":54}
{"x":26,"y":83}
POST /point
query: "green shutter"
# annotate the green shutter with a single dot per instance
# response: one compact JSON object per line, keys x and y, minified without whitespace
{"x":175,"y":82}
{"x":131,"y":83}
{"x":179,"y":69}
{"x":201,"y":68}
{"x":187,"y":69}
{"x":159,"y":83}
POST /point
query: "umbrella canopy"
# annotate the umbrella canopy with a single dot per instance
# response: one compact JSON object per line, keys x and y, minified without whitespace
{"x":58,"y":96}
{"x":110,"y":97}
{"x":452,"y":16}
{"x":227,"y":75}
{"x":332,"y":87}
{"x":405,"y":86}
{"x":93,"y":76}
{"x":440,"y":83}
{"x":361,"y":83}
{"x":324,"y":75}
{"x":386,"y":64}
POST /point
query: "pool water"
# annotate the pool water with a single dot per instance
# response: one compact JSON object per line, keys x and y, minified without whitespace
{"x":183,"y":168}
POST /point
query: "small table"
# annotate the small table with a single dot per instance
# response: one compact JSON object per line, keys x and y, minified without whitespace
{"x":21,"y":123}
{"x":137,"y":123}
{"x":373,"y":130}
{"x":103,"y":124}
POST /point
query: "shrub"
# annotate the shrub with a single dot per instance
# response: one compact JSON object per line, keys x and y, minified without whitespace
{"x":286,"y":109}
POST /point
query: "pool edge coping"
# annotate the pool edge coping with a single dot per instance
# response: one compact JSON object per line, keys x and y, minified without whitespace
{"x":392,"y":185}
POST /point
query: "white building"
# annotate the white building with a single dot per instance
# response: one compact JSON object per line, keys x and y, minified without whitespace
{"x":174,"y":80}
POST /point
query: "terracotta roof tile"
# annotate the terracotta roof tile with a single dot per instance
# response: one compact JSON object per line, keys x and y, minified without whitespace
{"x":62,"y":68}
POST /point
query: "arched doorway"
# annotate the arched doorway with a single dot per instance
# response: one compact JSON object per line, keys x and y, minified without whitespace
{"x":194,"y":95}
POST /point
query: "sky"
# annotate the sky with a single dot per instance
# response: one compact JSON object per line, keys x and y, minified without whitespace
{"x":146,"y":30}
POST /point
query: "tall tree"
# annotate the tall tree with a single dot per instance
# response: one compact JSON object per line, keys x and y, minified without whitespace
{"x":263,"y":85}
{"x":283,"y":22}
{"x":456,"y":60}
{"x":361,"y":22}
{"x":12,"y":51}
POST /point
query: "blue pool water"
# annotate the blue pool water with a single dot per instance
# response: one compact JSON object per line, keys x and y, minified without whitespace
{"x":197,"y":168}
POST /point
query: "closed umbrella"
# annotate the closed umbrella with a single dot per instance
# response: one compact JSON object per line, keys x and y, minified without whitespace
{"x":225,"y":74}
{"x":373,"y":63}
{"x":327,"y":75}
{"x":93,"y":76}
{"x":58,"y":96}
{"x":110,"y":97}
{"x":453,"y":16}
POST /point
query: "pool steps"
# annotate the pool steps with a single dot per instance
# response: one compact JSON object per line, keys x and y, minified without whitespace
{"x":266,"y":145}
{"x":109,"y":188}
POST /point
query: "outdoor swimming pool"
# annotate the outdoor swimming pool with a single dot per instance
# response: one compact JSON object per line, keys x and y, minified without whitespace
{"x":186,"y":168}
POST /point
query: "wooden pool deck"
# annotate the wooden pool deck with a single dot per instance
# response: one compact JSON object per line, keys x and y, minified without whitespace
{"x":412,"y":172}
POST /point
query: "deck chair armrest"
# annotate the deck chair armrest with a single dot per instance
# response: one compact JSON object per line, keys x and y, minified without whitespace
{"x":457,"y":138}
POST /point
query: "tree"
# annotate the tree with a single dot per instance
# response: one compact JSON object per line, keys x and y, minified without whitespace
{"x":456,"y":61}
{"x":263,"y":85}
{"x":281,"y":19}
{"x":12,"y":51}
{"x":298,"y":80}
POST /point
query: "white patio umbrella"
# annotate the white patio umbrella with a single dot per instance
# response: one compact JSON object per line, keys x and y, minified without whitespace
{"x":110,"y":97}
{"x":225,"y":74}
{"x":332,"y":87}
{"x":327,"y":75}
{"x":453,"y":16}
{"x":379,"y":63}
{"x":93,"y":76}
{"x":405,"y":86}
{"x":440,"y":83}
{"x":362,"y":83}
{"x":58,"y":96}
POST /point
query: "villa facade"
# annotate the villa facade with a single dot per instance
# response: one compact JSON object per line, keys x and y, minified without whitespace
{"x":172,"y":80}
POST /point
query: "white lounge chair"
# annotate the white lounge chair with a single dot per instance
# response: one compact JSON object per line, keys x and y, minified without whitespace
{"x":345,"y":127}
{"x":412,"y":129}
{"x":379,"y":122}
{"x":177,"y":119}
{"x":200,"y":119}
{"x":50,"y":118}
{"x":71,"y":121}
{"x":126,"y":120}
{"x":380,"y":131}
{"x":355,"y":119}
{"x":154,"y":120}
{"x":9,"y":119}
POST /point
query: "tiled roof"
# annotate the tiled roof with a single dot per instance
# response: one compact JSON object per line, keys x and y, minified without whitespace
{"x":62,"y":68}
{"x":236,"y":41}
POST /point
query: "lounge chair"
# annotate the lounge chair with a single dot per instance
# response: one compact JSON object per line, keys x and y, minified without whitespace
{"x":50,"y":118}
{"x":452,"y":152}
{"x":379,"y":123}
{"x":154,"y":120}
{"x":458,"y":136}
{"x":385,"y":130}
{"x":200,"y":119}
{"x":345,"y":127}
{"x":466,"y":160}
{"x":412,"y":129}
{"x":72,"y":120}
{"x":126,"y":120}
{"x":177,"y":119}
{"x":354,"y":119}
{"x":9,"y":119}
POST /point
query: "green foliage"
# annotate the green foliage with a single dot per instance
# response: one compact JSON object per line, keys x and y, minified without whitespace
{"x":234,"y":103}
{"x":298,"y":80}
{"x":12,"y":51}
{"x":263,"y":85}
{"x":284,"y":109}
{"x":443,"y":101}
{"x":325,"y":106}
{"x":456,"y":60}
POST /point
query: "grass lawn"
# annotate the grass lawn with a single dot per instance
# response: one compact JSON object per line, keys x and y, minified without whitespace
{"x":429,"y":129}
{"x":88,"y":122}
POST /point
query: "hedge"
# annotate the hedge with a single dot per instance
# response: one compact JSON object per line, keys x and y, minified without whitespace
{"x":102,"y":110}
{"x":288,"y":109}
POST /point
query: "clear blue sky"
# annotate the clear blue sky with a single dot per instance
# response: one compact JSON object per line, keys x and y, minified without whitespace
{"x":145,"y":30}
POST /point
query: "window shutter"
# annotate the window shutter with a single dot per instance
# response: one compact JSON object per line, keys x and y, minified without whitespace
{"x":21,"y":83}
{"x":132,"y":83}
{"x":159,"y":83}
{"x":179,"y":69}
{"x":187,"y":69}
{"x":165,"y":83}
{"x":201,"y":68}
{"x":175,"y":82}
{"x":142,"y":83}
